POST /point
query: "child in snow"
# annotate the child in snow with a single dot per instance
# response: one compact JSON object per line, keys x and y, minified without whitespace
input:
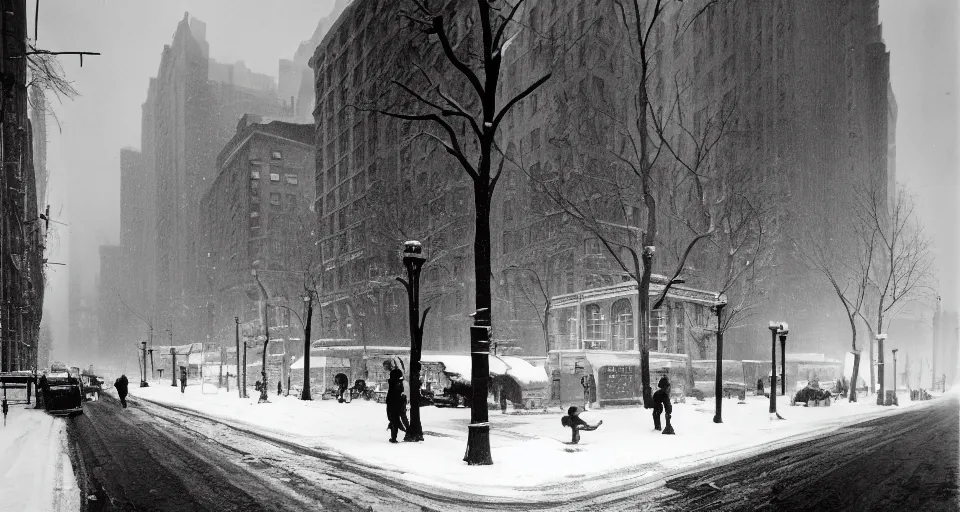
{"x":661,"y":403}
{"x":576,"y":424}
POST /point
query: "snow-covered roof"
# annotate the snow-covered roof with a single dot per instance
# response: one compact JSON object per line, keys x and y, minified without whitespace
{"x":321,"y":362}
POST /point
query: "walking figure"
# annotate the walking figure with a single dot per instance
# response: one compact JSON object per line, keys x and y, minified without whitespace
{"x":760,"y":387}
{"x":661,"y":402}
{"x":44,"y":387}
{"x":576,"y":424}
{"x":396,"y":405}
{"x":585,"y":382}
{"x":279,"y":388}
{"x":121,"y":385}
{"x":183,"y":378}
{"x":5,"y":409}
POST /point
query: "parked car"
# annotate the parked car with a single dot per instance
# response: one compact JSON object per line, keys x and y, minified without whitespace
{"x":64,"y":393}
{"x":92,"y":386}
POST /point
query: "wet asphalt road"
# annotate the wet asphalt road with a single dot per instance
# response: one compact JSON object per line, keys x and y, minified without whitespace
{"x":129,"y":459}
{"x":904,"y":462}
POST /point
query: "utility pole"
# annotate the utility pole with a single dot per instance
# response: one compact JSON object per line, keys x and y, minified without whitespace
{"x":236,"y":320}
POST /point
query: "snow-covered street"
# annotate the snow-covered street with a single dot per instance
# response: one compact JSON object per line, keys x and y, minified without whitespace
{"x":532,"y":457}
{"x":35,"y":470}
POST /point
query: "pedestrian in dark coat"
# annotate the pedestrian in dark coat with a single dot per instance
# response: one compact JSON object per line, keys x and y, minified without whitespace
{"x":576,"y":424}
{"x":183,"y":379}
{"x":43,"y":388}
{"x":396,"y":404}
{"x":279,"y":387}
{"x":121,"y":385}
{"x":341,"y":382}
{"x":661,"y":403}
{"x":759,"y":387}
{"x":256,"y":386}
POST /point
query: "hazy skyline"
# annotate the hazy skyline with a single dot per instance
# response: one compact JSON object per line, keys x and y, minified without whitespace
{"x":84,"y":159}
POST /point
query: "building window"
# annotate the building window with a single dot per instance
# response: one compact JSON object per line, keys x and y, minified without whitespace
{"x":255,"y":188}
{"x":622,"y":315}
{"x":274,"y":176}
{"x":592,"y":247}
{"x":254,"y":175}
{"x":276,"y":155}
{"x":292,"y":179}
{"x":274,"y":199}
{"x":594,"y":327}
{"x":658,"y":330}
{"x":291,"y":202}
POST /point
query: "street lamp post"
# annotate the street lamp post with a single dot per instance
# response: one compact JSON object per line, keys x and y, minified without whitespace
{"x":881,"y":337}
{"x":413,"y":260}
{"x":266,"y":341}
{"x":644,"y":299}
{"x":236,"y":321}
{"x":775,"y":328}
{"x":718,"y":387}
{"x":783,"y":360}
{"x":143,"y":375}
{"x":895,"y":376}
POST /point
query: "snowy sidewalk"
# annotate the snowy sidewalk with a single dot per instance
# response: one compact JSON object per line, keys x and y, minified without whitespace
{"x":35,"y":470}
{"x":532,"y":455}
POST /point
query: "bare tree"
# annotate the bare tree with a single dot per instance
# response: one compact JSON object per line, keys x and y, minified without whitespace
{"x":903,"y":264}
{"x":536,"y":293}
{"x":477,"y":60}
{"x":844,"y":256}
{"x":46,"y":76}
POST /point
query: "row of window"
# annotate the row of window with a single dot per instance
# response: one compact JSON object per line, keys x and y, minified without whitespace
{"x":291,"y":179}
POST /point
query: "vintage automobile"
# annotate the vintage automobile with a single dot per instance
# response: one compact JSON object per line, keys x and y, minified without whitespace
{"x":92,"y":385}
{"x":62,"y":391}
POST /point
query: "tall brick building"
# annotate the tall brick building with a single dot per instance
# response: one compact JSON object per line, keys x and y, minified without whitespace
{"x":813,"y":114}
{"x":192,"y":109}
{"x":257,"y":215}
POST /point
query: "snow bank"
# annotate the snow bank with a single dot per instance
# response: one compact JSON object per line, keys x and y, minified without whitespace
{"x":35,"y":470}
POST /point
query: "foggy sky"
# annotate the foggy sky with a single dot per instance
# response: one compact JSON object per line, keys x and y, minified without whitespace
{"x":922,"y":38}
{"x":84,"y":160}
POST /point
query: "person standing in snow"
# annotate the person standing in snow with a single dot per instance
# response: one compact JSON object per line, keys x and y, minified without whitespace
{"x":44,"y":387}
{"x":759,"y":387}
{"x":183,"y":379}
{"x":279,"y":388}
{"x":661,"y":403}
{"x":585,"y":382}
{"x":396,"y":404}
{"x":576,"y":424}
{"x":121,"y":385}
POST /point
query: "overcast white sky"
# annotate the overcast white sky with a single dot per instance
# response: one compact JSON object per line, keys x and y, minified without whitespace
{"x":84,"y":159}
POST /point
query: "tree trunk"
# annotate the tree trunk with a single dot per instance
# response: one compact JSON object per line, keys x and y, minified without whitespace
{"x":873,"y":379}
{"x":648,"y":239}
{"x":305,"y":394}
{"x":478,"y":435}
{"x":856,"y":375}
